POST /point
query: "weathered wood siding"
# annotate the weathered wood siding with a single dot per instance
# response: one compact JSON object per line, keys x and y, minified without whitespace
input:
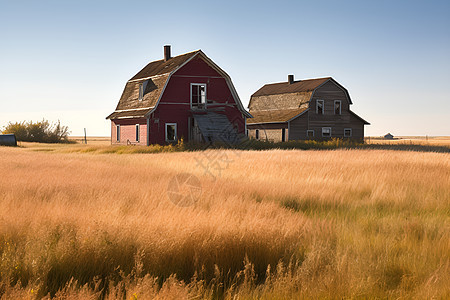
{"x":298,"y":127}
{"x":329,"y":92}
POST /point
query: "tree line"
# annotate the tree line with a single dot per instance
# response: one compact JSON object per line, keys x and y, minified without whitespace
{"x":41,"y":131}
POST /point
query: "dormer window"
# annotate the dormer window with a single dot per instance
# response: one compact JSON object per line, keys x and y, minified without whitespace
{"x":198,"y":95}
{"x":142,"y":87}
{"x":320,"y":107}
{"x":337,"y":107}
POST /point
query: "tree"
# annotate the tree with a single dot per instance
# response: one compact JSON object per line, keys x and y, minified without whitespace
{"x":42,"y":132}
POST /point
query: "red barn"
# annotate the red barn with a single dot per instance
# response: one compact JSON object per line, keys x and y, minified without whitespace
{"x":186,"y":96}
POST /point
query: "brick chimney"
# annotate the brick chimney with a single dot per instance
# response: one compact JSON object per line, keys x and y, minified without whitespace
{"x":167,"y":52}
{"x":290,"y":79}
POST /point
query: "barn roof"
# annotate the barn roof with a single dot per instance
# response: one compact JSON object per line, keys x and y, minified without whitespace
{"x":157,"y":74}
{"x":130,"y":106}
{"x":305,"y":87}
{"x":283,"y":101}
{"x":275,"y":116}
{"x":298,"y":86}
{"x":161,"y":66}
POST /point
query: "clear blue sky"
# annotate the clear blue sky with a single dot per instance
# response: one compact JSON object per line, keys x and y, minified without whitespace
{"x":70,"y":60}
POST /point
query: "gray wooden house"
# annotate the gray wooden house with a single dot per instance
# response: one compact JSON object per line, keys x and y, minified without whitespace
{"x":305,"y":109}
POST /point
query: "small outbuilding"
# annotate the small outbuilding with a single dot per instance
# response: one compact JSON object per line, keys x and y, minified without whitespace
{"x":388,"y":137}
{"x":8,"y":140}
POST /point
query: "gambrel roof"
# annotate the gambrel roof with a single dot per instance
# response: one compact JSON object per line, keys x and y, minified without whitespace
{"x":308,"y":85}
{"x":275,"y":116}
{"x":157,"y":74}
{"x":284,"y":101}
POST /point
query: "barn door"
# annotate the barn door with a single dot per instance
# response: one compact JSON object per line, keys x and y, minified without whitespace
{"x":195,"y":133}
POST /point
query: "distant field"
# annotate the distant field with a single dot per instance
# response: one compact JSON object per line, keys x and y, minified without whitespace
{"x":276,"y":224}
{"x":418,"y":140}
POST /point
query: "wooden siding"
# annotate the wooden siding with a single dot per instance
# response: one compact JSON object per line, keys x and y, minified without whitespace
{"x":128,"y":132}
{"x":298,"y":127}
{"x":174,"y":106}
{"x":329,"y":92}
{"x":310,"y":120}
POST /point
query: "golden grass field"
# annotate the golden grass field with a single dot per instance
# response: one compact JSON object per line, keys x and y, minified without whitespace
{"x":277,"y":224}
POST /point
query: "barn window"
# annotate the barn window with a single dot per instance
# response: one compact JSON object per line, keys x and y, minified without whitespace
{"x":118,"y":133}
{"x":320,"y":107}
{"x":283,"y":134}
{"x":137,"y":132}
{"x":326,"y":131}
{"x":171,"y":132}
{"x":198,"y":95}
{"x":347,"y":132}
{"x":257,"y":134}
{"x":310,"y":133}
{"x":142,"y":87}
{"x":337,"y":107}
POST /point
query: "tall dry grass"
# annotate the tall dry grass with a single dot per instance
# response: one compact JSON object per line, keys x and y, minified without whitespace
{"x":270,"y":224}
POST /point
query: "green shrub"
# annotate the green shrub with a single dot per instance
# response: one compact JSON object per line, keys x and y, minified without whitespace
{"x":42,"y":132}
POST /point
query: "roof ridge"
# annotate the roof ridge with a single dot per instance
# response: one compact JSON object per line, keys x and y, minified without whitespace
{"x":301,"y":80}
{"x":161,"y":66}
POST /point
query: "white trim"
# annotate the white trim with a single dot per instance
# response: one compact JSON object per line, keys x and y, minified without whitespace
{"x":167,"y":82}
{"x":190,"y":92}
{"x":118,"y":133}
{"x":134,"y":117}
{"x":138,"y":132}
{"x":351,"y":133}
{"x":326,"y":128}
{"x":317,"y":106}
{"x":298,"y":115}
{"x":176,"y":136}
{"x":151,"y":77}
{"x":214,"y":66}
{"x":310,"y":130}
{"x":340,"y":107}
{"x":142,"y":88}
{"x":229,"y":82}
{"x":132,"y":109}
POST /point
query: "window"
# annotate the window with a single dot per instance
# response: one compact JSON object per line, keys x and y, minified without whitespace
{"x":310,"y":133}
{"x":326,"y":131}
{"x":118,"y":133}
{"x":257,"y":134}
{"x":171,"y":132}
{"x":337,"y":107}
{"x":320,"y":107}
{"x":283,"y":134}
{"x":347,"y":132}
{"x":198,"y":95}
{"x":142,"y":87}
{"x":137,"y":132}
